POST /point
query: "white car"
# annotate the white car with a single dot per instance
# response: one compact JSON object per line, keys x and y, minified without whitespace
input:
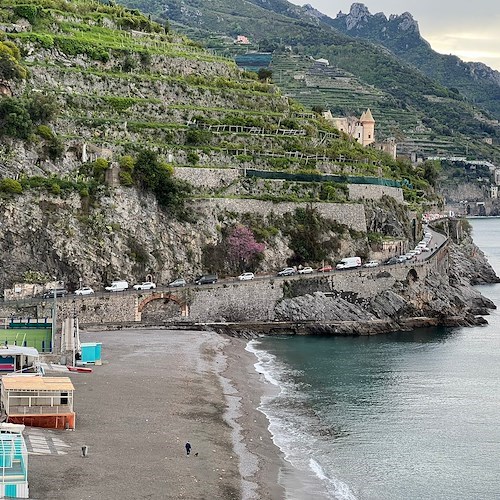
{"x":145,"y":285}
{"x":246,"y":276}
{"x":85,"y":290}
{"x":372,"y":263}
{"x":306,"y":270}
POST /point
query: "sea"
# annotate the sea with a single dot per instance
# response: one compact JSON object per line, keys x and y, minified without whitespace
{"x":401,"y":416}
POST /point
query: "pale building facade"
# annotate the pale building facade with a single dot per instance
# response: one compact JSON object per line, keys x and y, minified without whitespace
{"x":360,"y":129}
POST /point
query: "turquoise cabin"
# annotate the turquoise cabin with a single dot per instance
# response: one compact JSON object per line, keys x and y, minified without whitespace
{"x":91,"y":352}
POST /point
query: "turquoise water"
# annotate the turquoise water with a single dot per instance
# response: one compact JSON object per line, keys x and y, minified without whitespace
{"x":412,"y":415}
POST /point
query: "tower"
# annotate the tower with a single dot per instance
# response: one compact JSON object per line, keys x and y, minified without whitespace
{"x":368,"y":128}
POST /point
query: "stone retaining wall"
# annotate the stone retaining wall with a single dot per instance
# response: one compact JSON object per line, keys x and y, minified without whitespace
{"x":208,"y":178}
{"x":350,"y":214}
{"x":235,"y":301}
{"x":374,"y":192}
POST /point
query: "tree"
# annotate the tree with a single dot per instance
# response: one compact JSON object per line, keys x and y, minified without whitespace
{"x":264,"y":74}
{"x":242,"y":248}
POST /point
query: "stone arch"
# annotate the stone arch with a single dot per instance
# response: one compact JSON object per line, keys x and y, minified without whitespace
{"x":412,"y":276}
{"x":167,"y":298}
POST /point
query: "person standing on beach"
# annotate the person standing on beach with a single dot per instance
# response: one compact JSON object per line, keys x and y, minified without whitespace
{"x":188,"y":448}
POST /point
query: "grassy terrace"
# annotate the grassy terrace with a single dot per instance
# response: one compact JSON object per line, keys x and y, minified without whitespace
{"x":97,"y":49}
{"x":217,"y":84}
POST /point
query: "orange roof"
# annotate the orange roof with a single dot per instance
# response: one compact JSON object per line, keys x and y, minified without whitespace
{"x":27,"y":383}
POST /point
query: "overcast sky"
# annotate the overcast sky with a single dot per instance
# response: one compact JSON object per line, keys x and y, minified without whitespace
{"x":469,"y":30}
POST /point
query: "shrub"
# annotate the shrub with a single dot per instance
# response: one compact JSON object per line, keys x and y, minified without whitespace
{"x":15,"y":121}
{"x":192,"y":158}
{"x":198,"y":137}
{"x":10,"y":67}
{"x":55,"y":188}
{"x":8,"y":185}
{"x":126,"y":179}
{"x":29,"y":12}
{"x":44,"y":132}
{"x":126,"y":163}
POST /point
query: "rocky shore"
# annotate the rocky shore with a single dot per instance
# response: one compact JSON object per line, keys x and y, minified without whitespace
{"x":438,"y":300}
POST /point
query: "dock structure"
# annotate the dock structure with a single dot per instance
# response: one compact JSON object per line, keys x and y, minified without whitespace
{"x":39,"y":401}
{"x":13,"y":462}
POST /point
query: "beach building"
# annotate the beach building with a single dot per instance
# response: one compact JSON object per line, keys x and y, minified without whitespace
{"x":91,"y":353}
{"x":13,"y":462}
{"x":39,"y":401}
{"x":18,"y":359}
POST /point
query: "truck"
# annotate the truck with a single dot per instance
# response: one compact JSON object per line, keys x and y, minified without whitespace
{"x":349,"y":263}
{"x":117,"y":286}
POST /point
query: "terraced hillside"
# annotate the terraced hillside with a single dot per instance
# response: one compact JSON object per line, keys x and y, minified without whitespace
{"x":413,"y":101}
{"x":118,"y":135}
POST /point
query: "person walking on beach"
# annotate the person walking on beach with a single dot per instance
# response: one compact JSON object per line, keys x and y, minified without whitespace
{"x":188,"y":448}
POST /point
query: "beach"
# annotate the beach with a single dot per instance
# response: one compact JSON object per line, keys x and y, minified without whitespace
{"x":156,"y":390}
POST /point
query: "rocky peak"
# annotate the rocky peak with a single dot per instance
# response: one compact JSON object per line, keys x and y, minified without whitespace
{"x":405,"y":22}
{"x":359,"y":17}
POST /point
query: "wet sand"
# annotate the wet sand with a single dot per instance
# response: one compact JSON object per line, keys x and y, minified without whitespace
{"x":156,"y":390}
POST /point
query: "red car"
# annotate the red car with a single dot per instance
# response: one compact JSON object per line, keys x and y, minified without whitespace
{"x":325,"y":269}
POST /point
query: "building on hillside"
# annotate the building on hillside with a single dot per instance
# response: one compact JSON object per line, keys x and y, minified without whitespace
{"x":323,"y":61}
{"x":494,"y":192}
{"x":241,"y":40}
{"x":388,"y":146}
{"x":360,"y":129}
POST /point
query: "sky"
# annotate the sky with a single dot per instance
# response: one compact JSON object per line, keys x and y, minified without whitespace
{"x":469,"y":30}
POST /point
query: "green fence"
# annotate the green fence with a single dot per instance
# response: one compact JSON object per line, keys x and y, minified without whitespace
{"x":341,"y":179}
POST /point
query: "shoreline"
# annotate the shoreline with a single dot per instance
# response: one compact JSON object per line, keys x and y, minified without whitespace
{"x":156,"y":390}
{"x":253,"y":426}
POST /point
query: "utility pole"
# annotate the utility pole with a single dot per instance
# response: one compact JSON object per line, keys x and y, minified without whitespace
{"x":54,"y":320}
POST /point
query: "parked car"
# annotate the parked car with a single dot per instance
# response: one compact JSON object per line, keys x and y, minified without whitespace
{"x":178,"y":282}
{"x":85,"y":290}
{"x":287,"y":271}
{"x":392,"y":261}
{"x":117,"y":286}
{"x":206,"y":279}
{"x":246,"y":276}
{"x":145,"y":285}
{"x":372,"y":263}
{"x":325,"y":269}
{"x":401,"y":259}
{"x":306,"y":270}
{"x":59,"y":292}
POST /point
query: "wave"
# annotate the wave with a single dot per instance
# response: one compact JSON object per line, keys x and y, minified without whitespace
{"x":294,"y":426}
{"x":335,"y":487}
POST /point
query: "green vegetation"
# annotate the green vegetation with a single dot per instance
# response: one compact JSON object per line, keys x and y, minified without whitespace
{"x":18,"y":116}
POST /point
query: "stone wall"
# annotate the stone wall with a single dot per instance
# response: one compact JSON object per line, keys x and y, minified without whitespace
{"x":217,"y":178}
{"x":105,"y":308}
{"x":374,"y":192}
{"x":350,"y":214}
{"x":236,"y":301}
{"x":207,"y":178}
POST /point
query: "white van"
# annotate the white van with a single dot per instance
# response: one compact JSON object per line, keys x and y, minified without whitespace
{"x":117,"y":286}
{"x":349,"y":263}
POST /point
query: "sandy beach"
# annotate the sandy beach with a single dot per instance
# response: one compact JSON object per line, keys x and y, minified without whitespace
{"x":156,"y":390}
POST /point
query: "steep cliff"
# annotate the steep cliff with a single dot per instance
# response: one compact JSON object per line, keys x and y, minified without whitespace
{"x":109,"y":126}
